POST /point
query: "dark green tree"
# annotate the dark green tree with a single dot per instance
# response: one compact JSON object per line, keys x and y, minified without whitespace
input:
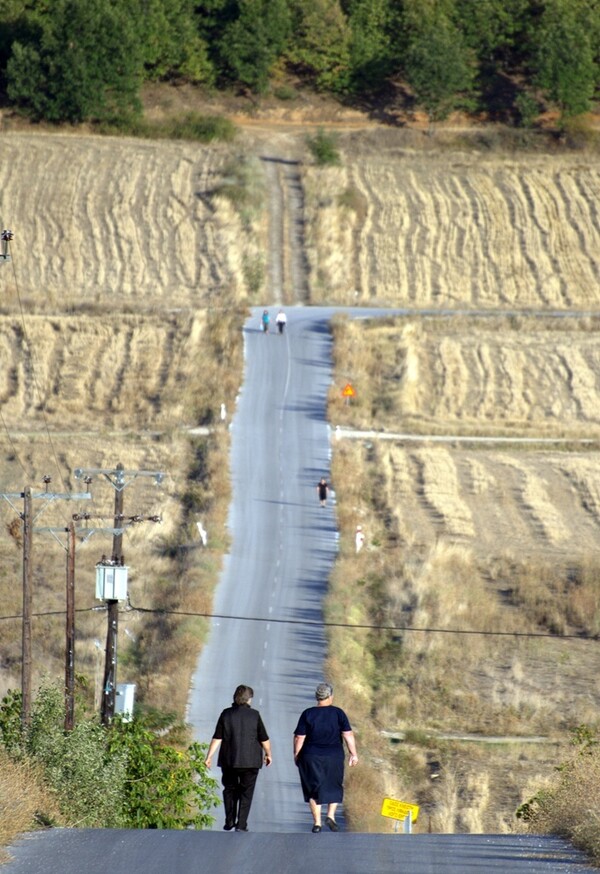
{"x":251,"y":43}
{"x":370,"y":24}
{"x":80,"y":61}
{"x":321,"y":47}
{"x":171,"y":41}
{"x":438,"y":64}
{"x":493,"y":29}
{"x":564,"y":56}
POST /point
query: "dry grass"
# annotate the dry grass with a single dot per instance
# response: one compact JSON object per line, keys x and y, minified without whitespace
{"x":569,"y":804}
{"x":451,"y":229}
{"x":494,"y":376}
{"x":24,"y":802}
{"x":496,"y":543}
{"x":125,"y":335}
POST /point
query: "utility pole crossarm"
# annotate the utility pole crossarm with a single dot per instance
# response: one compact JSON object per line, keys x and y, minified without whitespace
{"x":48,"y":497}
{"x":118,"y":477}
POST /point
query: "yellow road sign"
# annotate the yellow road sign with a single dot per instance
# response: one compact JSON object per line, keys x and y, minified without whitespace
{"x":399,"y":809}
{"x":348,"y":391}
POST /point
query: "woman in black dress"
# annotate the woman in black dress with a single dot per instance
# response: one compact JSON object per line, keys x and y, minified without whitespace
{"x":319,"y":753}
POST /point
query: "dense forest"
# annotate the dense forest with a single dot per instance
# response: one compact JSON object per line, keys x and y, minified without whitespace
{"x":86,"y":60}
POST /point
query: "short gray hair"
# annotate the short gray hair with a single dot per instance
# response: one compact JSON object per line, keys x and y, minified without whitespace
{"x":323,"y":691}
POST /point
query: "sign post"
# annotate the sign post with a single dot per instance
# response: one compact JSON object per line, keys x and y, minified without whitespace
{"x":400,"y":811}
{"x":348,"y":392}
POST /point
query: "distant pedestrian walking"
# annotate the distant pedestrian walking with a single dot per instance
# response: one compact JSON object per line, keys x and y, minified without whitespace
{"x":266,"y":318}
{"x":323,"y":491}
{"x":244,"y":743}
{"x":281,"y":321}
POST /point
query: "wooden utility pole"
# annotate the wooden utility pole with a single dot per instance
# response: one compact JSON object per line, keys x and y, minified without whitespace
{"x":109,"y":686}
{"x":27,"y":601}
{"x":70,"y":633}
{"x":28,"y":519}
{"x":119,"y":478}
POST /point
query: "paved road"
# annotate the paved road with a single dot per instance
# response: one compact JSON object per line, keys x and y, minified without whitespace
{"x":87,"y":851}
{"x":283,"y":546}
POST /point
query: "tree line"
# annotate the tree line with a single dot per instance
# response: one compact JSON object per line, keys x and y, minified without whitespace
{"x":86,"y":60}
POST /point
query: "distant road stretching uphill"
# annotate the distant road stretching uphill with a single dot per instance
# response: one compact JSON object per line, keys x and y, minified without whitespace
{"x":283,"y":547}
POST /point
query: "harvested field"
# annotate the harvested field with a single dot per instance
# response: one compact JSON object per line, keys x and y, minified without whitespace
{"x":110,"y":349}
{"x":534,"y":378}
{"x":497,"y":541}
{"x":455,"y":230}
{"x":119,"y":332}
{"x":121,"y":223}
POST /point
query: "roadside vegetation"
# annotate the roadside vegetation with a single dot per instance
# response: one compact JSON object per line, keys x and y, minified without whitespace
{"x":472,"y":667}
{"x":123,"y":776}
{"x":142,"y":382}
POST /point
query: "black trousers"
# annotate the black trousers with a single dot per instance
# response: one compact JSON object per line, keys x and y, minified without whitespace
{"x":238,"y":789}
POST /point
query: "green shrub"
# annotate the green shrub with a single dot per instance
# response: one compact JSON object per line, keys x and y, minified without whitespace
{"x":164,"y":787}
{"x":123,"y":776}
{"x":323,"y":147}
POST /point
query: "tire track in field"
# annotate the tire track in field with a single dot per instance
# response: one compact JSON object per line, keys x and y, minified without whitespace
{"x":288,"y":265}
{"x":295,"y":242}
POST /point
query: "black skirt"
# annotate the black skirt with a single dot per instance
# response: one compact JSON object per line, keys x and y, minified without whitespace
{"x":322,"y":778}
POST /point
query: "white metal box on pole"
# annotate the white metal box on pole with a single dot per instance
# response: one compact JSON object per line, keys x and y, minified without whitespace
{"x":124,"y":700}
{"x":111,"y":582}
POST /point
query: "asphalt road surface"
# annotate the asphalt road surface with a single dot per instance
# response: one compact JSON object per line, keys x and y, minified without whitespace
{"x":266,"y":634}
{"x":95,"y":851}
{"x":283,"y":546}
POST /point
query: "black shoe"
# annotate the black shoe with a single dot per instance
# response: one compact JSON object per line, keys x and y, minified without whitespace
{"x":228,"y":826}
{"x":316,"y":829}
{"x":244,"y":829}
{"x":332,"y":824}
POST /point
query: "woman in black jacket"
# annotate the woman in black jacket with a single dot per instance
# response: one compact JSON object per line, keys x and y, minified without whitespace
{"x":243,"y":740}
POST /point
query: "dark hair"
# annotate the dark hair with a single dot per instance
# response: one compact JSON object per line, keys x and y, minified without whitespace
{"x":243,"y":694}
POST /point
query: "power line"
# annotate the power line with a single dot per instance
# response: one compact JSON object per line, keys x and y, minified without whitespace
{"x":313,"y":623}
{"x":55,"y":613}
{"x":369,"y":627}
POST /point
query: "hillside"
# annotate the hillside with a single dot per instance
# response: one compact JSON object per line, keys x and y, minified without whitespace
{"x":130,"y":277}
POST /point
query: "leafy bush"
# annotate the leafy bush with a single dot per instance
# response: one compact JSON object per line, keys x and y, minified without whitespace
{"x":570,"y":806}
{"x":203,"y":128}
{"x":323,"y":147}
{"x":122,"y":776}
{"x":164,"y":787}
